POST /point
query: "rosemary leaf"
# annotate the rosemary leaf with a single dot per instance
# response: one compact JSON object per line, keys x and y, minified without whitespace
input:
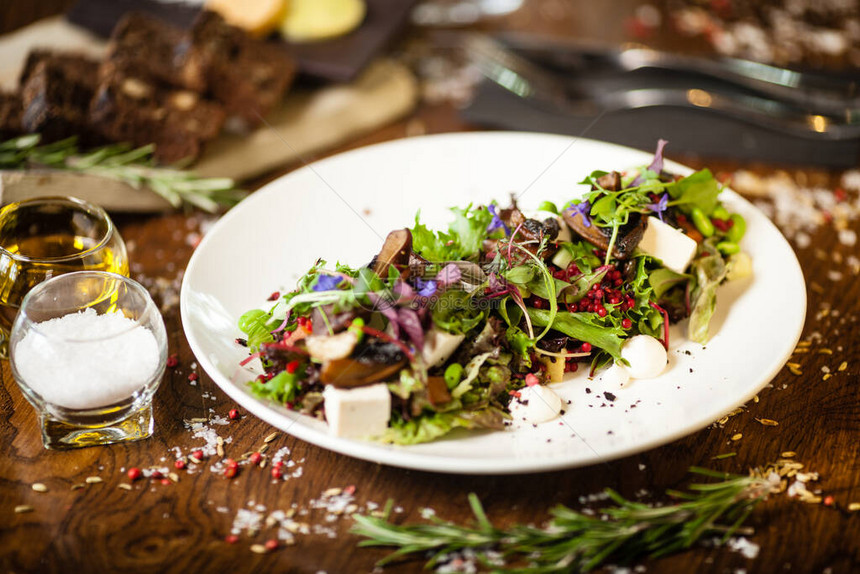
{"x":121,"y":162}
{"x":573,"y":541}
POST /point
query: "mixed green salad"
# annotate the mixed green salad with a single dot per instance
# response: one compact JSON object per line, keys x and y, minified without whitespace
{"x":456,"y":323}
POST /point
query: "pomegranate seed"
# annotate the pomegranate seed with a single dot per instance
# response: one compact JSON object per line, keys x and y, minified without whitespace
{"x":585,"y":348}
{"x":292,"y":366}
{"x":231,"y":539}
{"x":274,"y":296}
{"x":233,"y":414}
{"x":618,"y":282}
{"x":601,"y":311}
{"x":134,"y":473}
{"x":626,"y":323}
{"x":255,"y":458}
{"x":179,"y":464}
{"x":537,"y":304}
{"x":276,"y":472}
{"x":165,"y":481}
{"x":192,"y":377}
{"x":198,"y":454}
{"x":573,"y":367}
{"x":172,"y":361}
{"x":230,"y":472}
{"x":271,"y":544}
{"x":598,"y":294}
{"x":615,"y":300}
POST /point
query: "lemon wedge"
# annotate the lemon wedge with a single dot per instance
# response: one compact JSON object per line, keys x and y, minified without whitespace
{"x":312,"y":20}
{"x":257,"y":17}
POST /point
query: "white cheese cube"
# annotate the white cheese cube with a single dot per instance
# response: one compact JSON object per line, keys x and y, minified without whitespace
{"x":438,"y":346}
{"x":358,"y":413}
{"x":669,"y":245}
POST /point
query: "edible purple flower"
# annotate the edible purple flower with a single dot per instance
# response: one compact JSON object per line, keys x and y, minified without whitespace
{"x":327,"y":283}
{"x":426,"y":288}
{"x":496,"y":222}
{"x":656,"y":164}
{"x":660,"y":206}
{"x":583,"y":209}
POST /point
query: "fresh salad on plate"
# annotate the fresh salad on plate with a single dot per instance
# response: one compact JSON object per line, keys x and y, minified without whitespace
{"x":457,"y":328}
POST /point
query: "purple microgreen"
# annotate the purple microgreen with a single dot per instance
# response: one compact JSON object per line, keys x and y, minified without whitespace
{"x":449,"y":275}
{"x":327,"y":283}
{"x":283,"y":324}
{"x":657,"y":165}
{"x":386,"y":307}
{"x":403,"y":290}
{"x":408,"y":320}
{"x":660,"y":206}
{"x":496,"y":222}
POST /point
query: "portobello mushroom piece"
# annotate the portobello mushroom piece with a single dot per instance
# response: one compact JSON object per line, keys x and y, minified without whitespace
{"x":628,"y":238}
{"x":437,"y":391}
{"x":370,"y":363}
{"x":395,"y":251}
{"x":610,"y":182}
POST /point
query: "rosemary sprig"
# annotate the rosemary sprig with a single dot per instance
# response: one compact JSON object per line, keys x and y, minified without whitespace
{"x":577,"y":542}
{"x":121,"y":162}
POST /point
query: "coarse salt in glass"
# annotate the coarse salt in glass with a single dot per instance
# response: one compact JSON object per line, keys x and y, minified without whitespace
{"x":88,"y":350}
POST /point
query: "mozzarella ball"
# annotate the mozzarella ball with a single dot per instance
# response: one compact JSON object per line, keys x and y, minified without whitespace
{"x":646,"y":355}
{"x":537,"y":404}
{"x":615,"y":377}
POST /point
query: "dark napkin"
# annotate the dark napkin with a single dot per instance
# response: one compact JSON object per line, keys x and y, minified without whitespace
{"x":692,"y":131}
{"x":339,"y":59}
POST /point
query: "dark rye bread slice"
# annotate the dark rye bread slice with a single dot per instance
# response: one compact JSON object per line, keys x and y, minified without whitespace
{"x":135,"y":108}
{"x":150,"y":46}
{"x":248,"y":76}
{"x":10,"y":115}
{"x":56,"y":90}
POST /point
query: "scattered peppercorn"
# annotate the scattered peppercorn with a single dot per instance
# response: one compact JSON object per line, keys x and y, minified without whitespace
{"x":233,"y":414}
{"x":192,"y":377}
{"x":179,"y":464}
{"x":172,"y":361}
{"x":271,"y":544}
{"x":134,"y":473}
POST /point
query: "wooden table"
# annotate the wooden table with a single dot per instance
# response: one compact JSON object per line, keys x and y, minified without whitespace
{"x":182,"y":526}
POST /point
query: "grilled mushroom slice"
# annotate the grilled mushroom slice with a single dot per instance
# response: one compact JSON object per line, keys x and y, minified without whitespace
{"x":395,"y":251}
{"x":628,"y":238}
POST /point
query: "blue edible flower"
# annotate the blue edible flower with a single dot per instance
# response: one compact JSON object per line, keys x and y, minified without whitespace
{"x":426,"y":288}
{"x":583,"y":209}
{"x":497,"y":222}
{"x":660,"y":206}
{"x":327,"y":282}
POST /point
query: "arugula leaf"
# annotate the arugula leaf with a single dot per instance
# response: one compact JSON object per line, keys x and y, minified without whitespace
{"x":699,"y":189}
{"x":584,"y":327}
{"x":520,"y":275}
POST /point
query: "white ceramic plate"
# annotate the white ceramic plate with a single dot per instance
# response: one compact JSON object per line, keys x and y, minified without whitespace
{"x":341,"y":208}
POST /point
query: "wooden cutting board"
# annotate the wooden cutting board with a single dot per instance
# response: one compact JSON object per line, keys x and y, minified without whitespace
{"x":309,"y":121}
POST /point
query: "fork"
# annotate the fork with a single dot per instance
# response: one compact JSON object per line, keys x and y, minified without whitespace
{"x":542,"y":87}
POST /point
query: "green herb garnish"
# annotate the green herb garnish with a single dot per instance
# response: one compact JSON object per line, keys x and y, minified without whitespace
{"x":574,"y":541}
{"x":121,"y":162}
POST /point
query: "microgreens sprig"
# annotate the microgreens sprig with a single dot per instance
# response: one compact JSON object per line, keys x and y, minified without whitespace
{"x":121,"y":162}
{"x":574,"y":541}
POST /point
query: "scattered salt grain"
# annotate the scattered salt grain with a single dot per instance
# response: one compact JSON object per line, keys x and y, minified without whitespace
{"x":744,"y":547}
{"x":86,"y":360}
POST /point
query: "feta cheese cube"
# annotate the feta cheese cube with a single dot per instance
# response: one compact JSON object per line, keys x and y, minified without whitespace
{"x":359,"y":412}
{"x":669,"y":245}
{"x":438,"y":346}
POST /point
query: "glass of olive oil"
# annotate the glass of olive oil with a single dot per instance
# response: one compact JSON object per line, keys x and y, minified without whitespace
{"x":44,"y":237}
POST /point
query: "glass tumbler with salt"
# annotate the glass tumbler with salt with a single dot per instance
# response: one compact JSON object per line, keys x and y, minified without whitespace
{"x":88,"y":350}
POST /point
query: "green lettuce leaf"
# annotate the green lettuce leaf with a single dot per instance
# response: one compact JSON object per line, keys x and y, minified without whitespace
{"x":431,"y":426}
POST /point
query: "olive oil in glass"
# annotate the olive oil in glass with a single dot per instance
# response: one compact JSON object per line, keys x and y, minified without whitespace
{"x":46,"y":237}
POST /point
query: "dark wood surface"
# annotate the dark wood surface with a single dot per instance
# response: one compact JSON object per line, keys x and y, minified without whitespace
{"x":181,"y":527}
